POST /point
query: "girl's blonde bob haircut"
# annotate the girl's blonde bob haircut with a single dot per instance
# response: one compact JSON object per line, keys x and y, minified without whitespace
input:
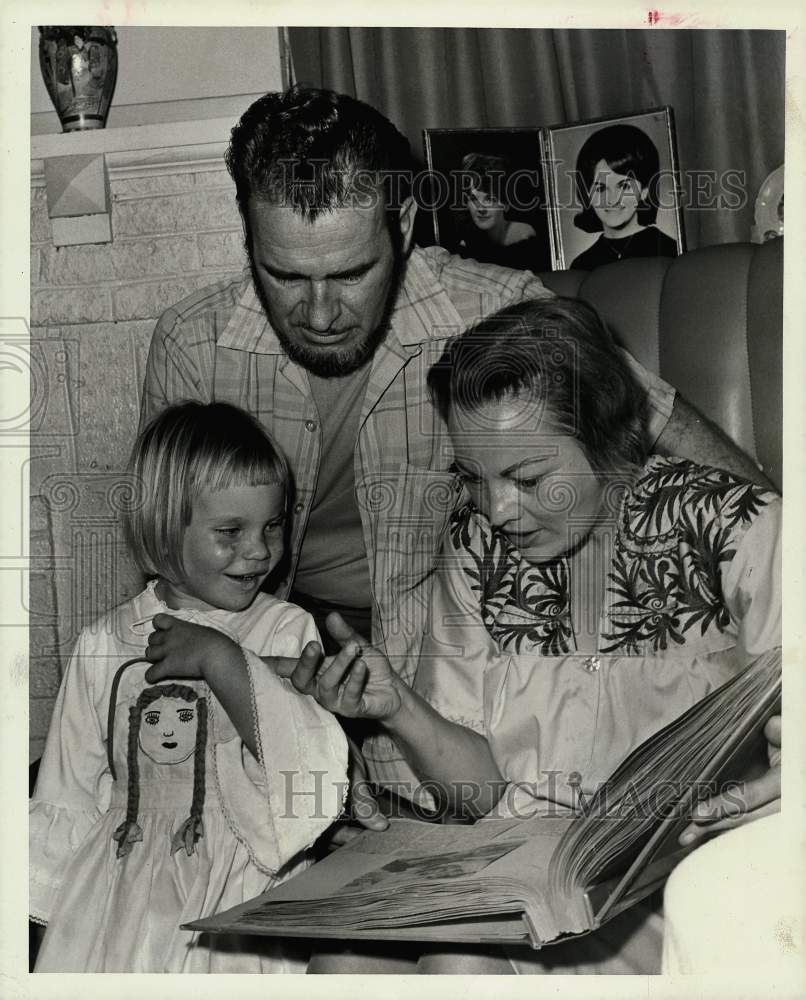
{"x":187,"y":448}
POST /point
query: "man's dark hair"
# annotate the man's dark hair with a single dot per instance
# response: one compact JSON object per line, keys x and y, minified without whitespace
{"x":316,"y":150}
{"x":556,"y":351}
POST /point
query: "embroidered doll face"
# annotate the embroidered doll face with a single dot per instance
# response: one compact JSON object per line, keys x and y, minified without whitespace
{"x":233,"y":541}
{"x":533,"y":484}
{"x":168,"y":730}
{"x":615,"y":199}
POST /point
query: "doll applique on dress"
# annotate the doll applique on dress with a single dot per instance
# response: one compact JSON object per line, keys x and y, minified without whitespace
{"x":157,"y":814}
{"x":163,"y":851}
{"x":167,"y":727}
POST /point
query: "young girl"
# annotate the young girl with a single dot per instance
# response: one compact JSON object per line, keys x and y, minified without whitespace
{"x":617,"y":179}
{"x":159,"y":803}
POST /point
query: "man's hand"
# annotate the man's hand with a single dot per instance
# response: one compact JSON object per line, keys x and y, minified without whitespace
{"x":762,"y":796}
{"x":183,"y":649}
{"x":689,"y":434}
{"x":357,"y":683}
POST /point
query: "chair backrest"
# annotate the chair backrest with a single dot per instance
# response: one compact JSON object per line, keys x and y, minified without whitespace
{"x":710,"y":322}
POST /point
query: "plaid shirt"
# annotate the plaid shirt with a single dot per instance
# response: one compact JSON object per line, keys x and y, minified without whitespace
{"x":218,"y":345}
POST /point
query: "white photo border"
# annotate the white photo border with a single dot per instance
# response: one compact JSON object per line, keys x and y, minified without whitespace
{"x":561,"y":145}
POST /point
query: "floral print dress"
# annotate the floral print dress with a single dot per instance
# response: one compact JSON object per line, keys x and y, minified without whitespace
{"x":692,"y":593}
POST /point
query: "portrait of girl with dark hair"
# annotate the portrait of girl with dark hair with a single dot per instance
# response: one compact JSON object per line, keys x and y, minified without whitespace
{"x":617,"y":179}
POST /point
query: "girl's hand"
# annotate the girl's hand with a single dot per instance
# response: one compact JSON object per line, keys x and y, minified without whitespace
{"x":761,"y":796}
{"x":357,"y":683}
{"x":182,"y":649}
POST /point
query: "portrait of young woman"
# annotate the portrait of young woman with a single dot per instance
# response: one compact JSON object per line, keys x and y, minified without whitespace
{"x":614,"y":190}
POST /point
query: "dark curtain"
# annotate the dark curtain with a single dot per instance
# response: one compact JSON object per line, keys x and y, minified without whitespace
{"x":726,"y":88}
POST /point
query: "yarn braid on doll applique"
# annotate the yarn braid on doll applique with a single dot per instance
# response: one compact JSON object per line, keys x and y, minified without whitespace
{"x":174,"y":749}
{"x":193,"y":827}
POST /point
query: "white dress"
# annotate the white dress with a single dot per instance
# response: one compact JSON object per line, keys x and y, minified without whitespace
{"x":111,"y":913}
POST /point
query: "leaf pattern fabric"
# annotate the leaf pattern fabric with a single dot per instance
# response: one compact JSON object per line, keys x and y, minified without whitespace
{"x":678,"y":526}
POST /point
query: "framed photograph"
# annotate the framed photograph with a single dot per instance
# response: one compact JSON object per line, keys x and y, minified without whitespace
{"x":487,"y":197}
{"x":613,"y":189}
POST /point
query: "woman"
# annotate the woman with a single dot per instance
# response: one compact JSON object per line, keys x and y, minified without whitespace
{"x":617,"y":182}
{"x":489,"y":228}
{"x":588,"y":594}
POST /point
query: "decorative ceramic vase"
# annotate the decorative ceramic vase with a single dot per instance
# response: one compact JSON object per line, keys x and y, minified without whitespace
{"x":79,"y":66}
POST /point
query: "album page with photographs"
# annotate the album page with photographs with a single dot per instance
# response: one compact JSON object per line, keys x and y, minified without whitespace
{"x":532,"y":880}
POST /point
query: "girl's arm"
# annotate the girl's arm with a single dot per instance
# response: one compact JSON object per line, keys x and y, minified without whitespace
{"x":453,"y":757}
{"x":296,"y":765}
{"x":182,"y":649}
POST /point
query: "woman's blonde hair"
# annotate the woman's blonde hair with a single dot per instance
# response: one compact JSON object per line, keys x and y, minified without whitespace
{"x":187,"y":448}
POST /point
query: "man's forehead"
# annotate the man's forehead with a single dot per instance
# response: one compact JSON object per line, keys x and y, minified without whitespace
{"x":281,"y":222}
{"x":337,"y":239}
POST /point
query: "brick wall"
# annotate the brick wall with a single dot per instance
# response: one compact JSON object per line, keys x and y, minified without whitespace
{"x":93,"y":309}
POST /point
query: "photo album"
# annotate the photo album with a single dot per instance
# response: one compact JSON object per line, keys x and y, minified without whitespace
{"x":532,"y":880}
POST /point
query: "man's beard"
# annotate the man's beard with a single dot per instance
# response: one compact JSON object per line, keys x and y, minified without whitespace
{"x":333,"y":363}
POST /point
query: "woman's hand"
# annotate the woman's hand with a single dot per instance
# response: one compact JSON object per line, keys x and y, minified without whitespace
{"x":762,"y":796}
{"x":178,"y":648}
{"x":364,"y":813}
{"x":357,"y":683}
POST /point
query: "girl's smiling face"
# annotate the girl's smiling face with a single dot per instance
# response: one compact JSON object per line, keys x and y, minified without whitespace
{"x":615,"y":199}
{"x":168,"y":730}
{"x":532,"y":482}
{"x":234,"y":540}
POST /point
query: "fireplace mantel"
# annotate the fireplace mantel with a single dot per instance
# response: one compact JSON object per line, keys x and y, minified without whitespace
{"x":140,"y":149}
